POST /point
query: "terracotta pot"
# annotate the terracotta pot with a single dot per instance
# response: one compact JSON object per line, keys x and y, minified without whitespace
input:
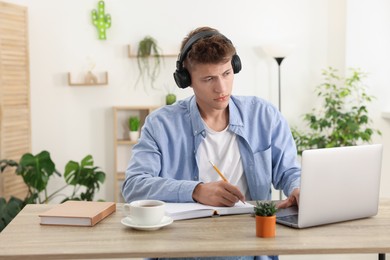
{"x":265,"y":226}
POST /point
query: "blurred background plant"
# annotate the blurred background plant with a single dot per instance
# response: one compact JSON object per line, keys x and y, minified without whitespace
{"x":149,"y":60}
{"x":342,"y":119}
{"x":170,"y":96}
{"x":36,"y":170}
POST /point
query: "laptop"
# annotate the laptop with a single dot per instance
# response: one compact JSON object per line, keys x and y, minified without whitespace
{"x":337,"y":184}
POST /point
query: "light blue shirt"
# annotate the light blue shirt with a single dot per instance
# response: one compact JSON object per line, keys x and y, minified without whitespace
{"x":164,"y":166}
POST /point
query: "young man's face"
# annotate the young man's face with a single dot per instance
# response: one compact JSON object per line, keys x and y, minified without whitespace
{"x":212,"y":85}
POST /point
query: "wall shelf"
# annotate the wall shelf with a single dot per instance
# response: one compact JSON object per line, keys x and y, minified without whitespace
{"x":85,"y":84}
{"x":126,"y":141}
{"x":133,"y":55}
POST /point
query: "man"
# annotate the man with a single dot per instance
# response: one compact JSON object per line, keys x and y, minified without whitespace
{"x":245,"y":137}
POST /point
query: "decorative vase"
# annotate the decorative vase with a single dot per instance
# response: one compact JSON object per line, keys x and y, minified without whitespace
{"x":90,"y":78}
{"x":170,"y":99}
{"x":265,"y":226}
{"x":134,"y":135}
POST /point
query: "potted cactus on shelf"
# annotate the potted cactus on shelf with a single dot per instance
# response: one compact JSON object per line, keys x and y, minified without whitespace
{"x":134,"y":123}
{"x":265,"y":214}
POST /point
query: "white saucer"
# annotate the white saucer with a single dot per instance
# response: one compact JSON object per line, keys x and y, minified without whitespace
{"x":164,"y":222}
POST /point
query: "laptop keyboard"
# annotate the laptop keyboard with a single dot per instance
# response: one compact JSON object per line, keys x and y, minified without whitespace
{"x":290,"y":218}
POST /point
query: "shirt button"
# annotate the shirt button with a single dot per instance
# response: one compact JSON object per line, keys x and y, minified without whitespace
{"x":196,"y":178}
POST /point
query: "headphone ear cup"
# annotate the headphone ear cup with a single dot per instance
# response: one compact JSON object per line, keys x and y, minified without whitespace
{"x":182,"y":78}
{"x":236,"y":63}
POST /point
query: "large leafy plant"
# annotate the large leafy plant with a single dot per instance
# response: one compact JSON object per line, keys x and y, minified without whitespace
{"x":342,"y":119}
{"x":37,"y":170}
{"x":83,"y":175}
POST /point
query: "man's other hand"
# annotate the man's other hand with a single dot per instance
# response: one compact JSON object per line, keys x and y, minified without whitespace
{"x":292,"y":200}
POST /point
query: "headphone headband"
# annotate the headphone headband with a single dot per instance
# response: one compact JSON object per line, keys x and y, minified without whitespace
{"x":189,"y":43}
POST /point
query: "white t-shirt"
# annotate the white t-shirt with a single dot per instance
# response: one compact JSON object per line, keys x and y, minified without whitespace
{"x":221,"y":148}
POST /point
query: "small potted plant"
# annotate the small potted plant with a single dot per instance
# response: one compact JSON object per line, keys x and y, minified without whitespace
{"x":134,"y":122}
{"x":265,"y":214}
{"x":170,"y":97}
{"x":149,"y":60}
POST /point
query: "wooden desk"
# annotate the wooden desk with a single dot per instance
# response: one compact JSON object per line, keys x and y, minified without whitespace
{"x":220,"y":236}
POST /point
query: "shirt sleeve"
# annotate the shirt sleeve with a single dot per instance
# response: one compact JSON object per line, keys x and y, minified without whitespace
{"x":145,"y":176}
{"x":286,"y":168}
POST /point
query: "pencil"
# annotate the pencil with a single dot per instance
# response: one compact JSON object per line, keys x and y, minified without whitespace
{"x":220,"y":174}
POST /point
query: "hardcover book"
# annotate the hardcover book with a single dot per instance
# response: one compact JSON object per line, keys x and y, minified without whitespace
{"x":78,"y":213}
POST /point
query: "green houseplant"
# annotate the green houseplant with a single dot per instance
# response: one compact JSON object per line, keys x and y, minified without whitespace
{"x":8,"y":210}
{"x":149,"y":60}
{"x":134,"y":123}
{"x":265,"y":214}
{"x":170,"y":99}
{"x":343,"y":118}
{"x":170,"y":96}
{"x":37,"y":170}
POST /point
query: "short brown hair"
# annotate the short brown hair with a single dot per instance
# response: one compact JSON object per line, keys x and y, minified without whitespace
{"x":213,"y":49}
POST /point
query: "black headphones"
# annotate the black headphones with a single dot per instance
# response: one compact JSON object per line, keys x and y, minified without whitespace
{"x":181,"y":75}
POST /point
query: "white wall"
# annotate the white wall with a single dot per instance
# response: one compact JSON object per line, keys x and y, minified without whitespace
{"x":367,"y":47}
{"x":72,"y":122}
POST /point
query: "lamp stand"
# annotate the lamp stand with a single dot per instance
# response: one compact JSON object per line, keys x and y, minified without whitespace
{"x":279,"y":61}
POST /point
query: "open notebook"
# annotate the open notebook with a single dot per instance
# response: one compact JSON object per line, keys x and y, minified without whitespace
{"x":179,"y":211}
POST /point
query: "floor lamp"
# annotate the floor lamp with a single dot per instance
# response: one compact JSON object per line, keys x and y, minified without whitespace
{"x":279,"y":53}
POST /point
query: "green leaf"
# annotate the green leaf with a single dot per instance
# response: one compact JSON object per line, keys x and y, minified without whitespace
{"x":7,"y":163}
{"x":36,"y":170}
{"x":71,"y":173}
{"x":8,"y":210}
{"x":87,"y":161}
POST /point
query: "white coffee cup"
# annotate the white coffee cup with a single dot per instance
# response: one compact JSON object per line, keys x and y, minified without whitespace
{"x":145,"y":212}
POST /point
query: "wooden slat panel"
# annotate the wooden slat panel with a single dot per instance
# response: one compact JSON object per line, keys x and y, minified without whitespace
{"x":15,"y":132}
{"x":14,"y":184}
{"x":15,"y":152}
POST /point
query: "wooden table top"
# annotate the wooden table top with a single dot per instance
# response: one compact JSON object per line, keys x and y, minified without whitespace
{"x":217,"y":236}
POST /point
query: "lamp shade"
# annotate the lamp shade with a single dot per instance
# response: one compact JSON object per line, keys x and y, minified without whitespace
{"x":278,"y":50}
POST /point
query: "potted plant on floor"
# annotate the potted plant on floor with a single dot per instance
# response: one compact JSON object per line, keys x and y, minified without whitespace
{"x":36,"y":172}
{"x":134,"y":123}
{"x":343,"y":118}
{"x":265,"y":214}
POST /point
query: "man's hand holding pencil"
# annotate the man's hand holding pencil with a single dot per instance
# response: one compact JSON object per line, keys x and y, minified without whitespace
{"x":220,"y":193}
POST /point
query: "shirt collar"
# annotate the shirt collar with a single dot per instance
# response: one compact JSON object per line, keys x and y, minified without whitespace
{"x":235,"y":120}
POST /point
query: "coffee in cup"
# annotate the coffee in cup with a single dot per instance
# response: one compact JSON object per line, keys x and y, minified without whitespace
{"x":145,"y":212}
